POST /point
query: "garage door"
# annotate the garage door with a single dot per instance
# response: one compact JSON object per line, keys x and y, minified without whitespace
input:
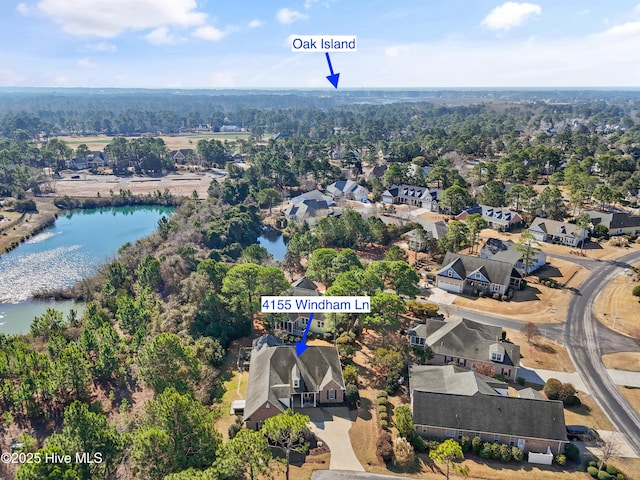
{"x":450,"y":287}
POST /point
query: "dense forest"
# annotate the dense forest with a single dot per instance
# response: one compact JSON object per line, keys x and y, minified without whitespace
{"x":161,"y":317}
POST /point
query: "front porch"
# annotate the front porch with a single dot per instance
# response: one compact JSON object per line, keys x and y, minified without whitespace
{"x":304,"y":400}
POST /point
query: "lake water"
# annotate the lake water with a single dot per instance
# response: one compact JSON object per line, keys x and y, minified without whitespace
{"x":274,"y":242}
{"x":70,"y":250}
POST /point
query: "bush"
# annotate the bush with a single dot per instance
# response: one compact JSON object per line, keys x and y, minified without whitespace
{"x":573,"y":401}
{"x":403,"y":454}
{"x":572,"y":452}
{"x":418,"y":443}
{"x":505,"y":452}
{"x":350,"y":374}
{"x":517,"y":454}
{"x":602,"y":475}
{"x":611,"y":470}
{"x":521,"y":381}
{"x":495,"y":450}
{"x":382,"y":394}
{"x":561,"y":459}
{"x":476,"y":445}
{"x":465,"y":443}
{"x":593,"y":471}
{"x":384,"y":424}
{"x":384,"y":416}
{"x":504,"y":298}
{"x":481,"y":294}
{"x":496,"y":296}
{"x":352,"y":395}
{"x":593,"y":463}
{"x":384,"y":447}
{"x":620,"y":476}
{"x":485,"y":450}
{"x":382,"y":401}
{"x":552,"y":388}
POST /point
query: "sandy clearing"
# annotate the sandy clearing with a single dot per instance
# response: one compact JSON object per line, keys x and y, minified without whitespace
{"x":615,"y":304}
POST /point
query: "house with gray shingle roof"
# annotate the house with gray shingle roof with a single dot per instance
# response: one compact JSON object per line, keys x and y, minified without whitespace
{"x":501,"y":219}
{"x":506,"y":251}
{"x":467,"y":344}
{"x":295,"y":323}
{"x":553,"y":231}
{"x":309,"y":207}
{"x":348,"y":190}
{"x":617,"y":223}
{"x":279,"y":379}
{"x":416,"y":196}
{"x":448,"y":402}
{"x":465,"y":272}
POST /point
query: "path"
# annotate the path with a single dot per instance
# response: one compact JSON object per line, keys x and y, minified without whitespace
{"x":332,"y":425}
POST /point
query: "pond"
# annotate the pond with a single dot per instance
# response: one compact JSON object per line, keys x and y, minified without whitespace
{"x":274,"y":242}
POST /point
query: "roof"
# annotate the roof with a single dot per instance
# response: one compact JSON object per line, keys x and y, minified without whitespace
{"x":304,"y":287}
{"x":272,"y":369}
{"x":614,"y":220}
{"x":308,"y":205}
{"x":496,"y":215}
{"x":554,"y":227}
{"x":464,"y":338}
{"x":502,"y":250}
{"x":498,"y":414}
{"x":495,"y":271}
{"x":530,"y":393}
{"x":346,"y":186}
{"x":435,"y":230}
{"x":451,"y":379}
{"x":409,"y":191}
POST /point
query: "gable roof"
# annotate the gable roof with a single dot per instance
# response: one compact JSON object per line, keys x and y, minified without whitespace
{"x":554,"y":227}
{"x":464,"y":338}
{"x":502,"y":415}
{"x":614,"y":220}
{"x":272,"y":369}
{"x":345,"y":186}
{"x":496,"y":215}
{"x":495,"y":271}
{"x":501,"y":250}
{"x":304,"y":287}
{"x":451,"y":379}
{"x":410,"y":191}
{"x":308,"y":204}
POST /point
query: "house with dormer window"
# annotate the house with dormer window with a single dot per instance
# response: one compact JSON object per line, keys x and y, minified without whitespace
{"x":553,"y":231}
{"x":413,"y":195}
{"x":501,"y":219}
{"x":461,"y":273}
{"x":295,"y":323}
{"x":280,"y":379}
{"x":467,"y":344}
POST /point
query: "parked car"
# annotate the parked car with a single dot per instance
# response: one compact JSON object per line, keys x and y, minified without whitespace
{"x":581,"y":432}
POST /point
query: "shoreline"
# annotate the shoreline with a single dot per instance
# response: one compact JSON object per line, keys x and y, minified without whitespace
{"x":29,"y":225}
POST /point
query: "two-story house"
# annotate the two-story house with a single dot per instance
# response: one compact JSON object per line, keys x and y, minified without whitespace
{"x":295,"y":323}
{"x":465,"y":272}
{"x":506,"y":251}
{"x":617,"y":223}
{"x":280,"y":379}
{"x":423,"y":197}
{"x":497,"y":218}
{"x":348,"y":190}
{"x":467,"y":344}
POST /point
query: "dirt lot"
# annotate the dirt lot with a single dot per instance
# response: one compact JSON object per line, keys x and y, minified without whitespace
{"x":536,"y":303}
{"x":173,"y":142}
{"x":616,"y":304}
{"x":542,"y":353}
{"x":622,"y":361}
{"x":180,"y":184}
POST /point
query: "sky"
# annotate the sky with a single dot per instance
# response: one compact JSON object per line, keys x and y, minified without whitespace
{"x":246,"y":44}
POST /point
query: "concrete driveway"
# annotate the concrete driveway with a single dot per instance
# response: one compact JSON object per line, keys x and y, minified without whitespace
{"x":331,"y":425}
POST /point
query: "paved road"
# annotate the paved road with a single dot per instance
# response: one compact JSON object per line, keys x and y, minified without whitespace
{"x":587,"y":262}
{"x":581,"y":332}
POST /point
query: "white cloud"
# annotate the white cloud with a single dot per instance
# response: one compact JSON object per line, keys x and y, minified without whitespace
{"x":86,"y":63}
{"x":624,"y":30}
{"x":509,"y":15}
{"x":23,"y":8}
{"x":209,"y":33}
{"x":103,"y":47}
{"x":161,"y":36}
{"x":10,"y":78}
{"x":309,"y":3}
{"x":396,"y":50}
{"x":256,"y":23}
{"x":287,"y":16}
{"x":109,"y":18}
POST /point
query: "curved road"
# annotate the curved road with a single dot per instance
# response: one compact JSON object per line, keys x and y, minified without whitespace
{"x":583,"y":345}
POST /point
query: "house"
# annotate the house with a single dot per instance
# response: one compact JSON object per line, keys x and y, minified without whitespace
{"x":418,"y":239}
{"x":465,"y":272}
{"x":553,"y":231}
{"x":181,"y":156}
{"x":448,"y":402}
{"x":92,"y":159}
{"x":467,"y":344}
{"x":348,"y":190}
{"x":279,"y":379}
{"x":230,"y":129}
{"x":308,"y":207}
{"x":617,"y":223}
{"x":498,"y":218}
{"x":423,"y":197}
{"x":295,"y":323}
{"x":506,"y":251}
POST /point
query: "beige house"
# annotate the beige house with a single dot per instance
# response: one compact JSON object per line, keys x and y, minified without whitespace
{"x":553,"y":231}
{"x":465,"y":272}
{"x":449,"y":402}
{"x":279,"y":379}
{"x":295,"y":323}
{"x":617,"y":223}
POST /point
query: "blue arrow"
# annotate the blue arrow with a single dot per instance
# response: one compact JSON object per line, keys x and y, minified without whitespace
{"x":333,"y":78}
{"x":301,"y":346}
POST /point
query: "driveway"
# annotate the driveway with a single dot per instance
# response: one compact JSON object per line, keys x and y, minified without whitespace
{"x":334,"y":475}
{"x":440,"y":296}
{"x":331,"y":425}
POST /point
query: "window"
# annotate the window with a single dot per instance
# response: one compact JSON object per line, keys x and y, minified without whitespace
{"x":320,"y":323}
{"x":331,"y":395}
{"x":478,"y":275}
{"x":296,"y":383}
{"x":512,"y":441}
{"x":449,"y":274}
{"x":424,"y":429}
{"x":450,"y":433}
{"x":496,"y":357}
{"x":496,"y":438}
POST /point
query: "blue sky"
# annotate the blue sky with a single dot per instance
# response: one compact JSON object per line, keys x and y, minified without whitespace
{"x":244,"y":44}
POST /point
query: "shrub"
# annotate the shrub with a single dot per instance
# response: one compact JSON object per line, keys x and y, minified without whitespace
{"x":505,"y":452}
{"x":384,"y":424}
{"x":593,"y":471}
{"x":352,"y":395}
{"x":566,"y":392}
{"x":611,"y":470}
{"x":418,"y":443}
{"x":384,"y":416}
{"x":382,"y":401}
{"x":504,"y":298}
{"x":403,"y":454}
{"x":384,"y":447}
{"x":603,"y":475}
{"x":382,"y":394}
{"x":476,"y":445}
{"x":496,"y":296}
{"x":561,"y":459}
{"x":572,"y":452}
{"x":517,"y":454}
{"x":552,"y":388}
{"x":593,"y":463}
{"x":495,"y":450}
{"x":481,"y":294}
{"x":485,"y":450}
{"x":573,"y":401}
{"x":350,"y":374}
{"x":465,"y":443}
{"x":520,"y":381}
{"x":620,"y":476}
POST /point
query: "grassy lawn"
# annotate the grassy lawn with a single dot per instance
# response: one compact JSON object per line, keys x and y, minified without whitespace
{"x":633,"y":396}
{"x":542,"y":353}
{"x":589,"y":414}
{"x":629,"y":361}
{"x":615,"y":304}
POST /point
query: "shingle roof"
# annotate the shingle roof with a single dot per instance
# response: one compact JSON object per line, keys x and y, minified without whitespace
{"x":554,"y":227}
{"x":464,"y":338}
{"x":308,"y":204}
{"x":501,"y":250}
{"x":304,"y":287}
{"x":614,"y":220}
{"x":270,"y":373}
{"x":495,"y":271}
{"x":451,"y":379}
{"x":496,"y":215}
{"x":503,"y":415}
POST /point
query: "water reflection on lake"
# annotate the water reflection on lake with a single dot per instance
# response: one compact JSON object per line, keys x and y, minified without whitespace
{"x":274,"y":242}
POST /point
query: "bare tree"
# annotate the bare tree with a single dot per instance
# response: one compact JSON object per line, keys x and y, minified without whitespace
{"x":530,"y":330}
{"x":609,"y":447}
